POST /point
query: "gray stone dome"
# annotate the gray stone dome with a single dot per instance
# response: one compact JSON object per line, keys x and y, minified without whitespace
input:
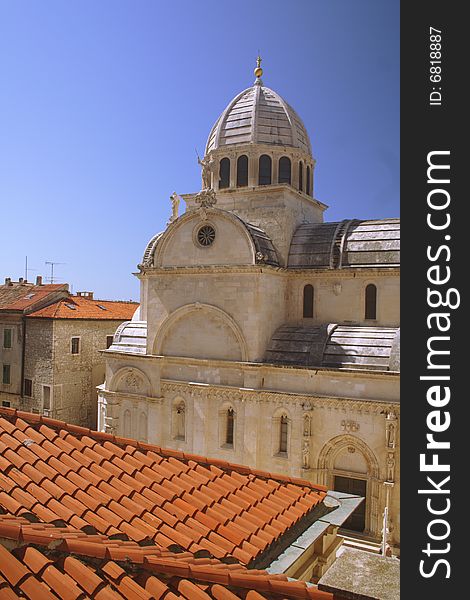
{"x":258,"y":115}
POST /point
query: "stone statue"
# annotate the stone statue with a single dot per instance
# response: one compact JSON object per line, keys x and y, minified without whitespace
{"x":306,"y":455}
{"x":175,"y":202}
{"x":390,"y":467}
{"x":390,"y":435}
{"x":206,"y":164}
{"x":306,"y":425}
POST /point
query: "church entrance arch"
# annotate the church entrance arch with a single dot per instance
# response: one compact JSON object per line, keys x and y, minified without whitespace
{"x":347,"y":464}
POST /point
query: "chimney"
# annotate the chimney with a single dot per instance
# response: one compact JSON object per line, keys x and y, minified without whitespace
{"x":8,"y":281}
{"x":39,"y":280}
{"x":20,"y":280}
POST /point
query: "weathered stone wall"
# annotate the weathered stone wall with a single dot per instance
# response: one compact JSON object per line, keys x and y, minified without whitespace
{"x":77,"y":375}
{"x":38,"y":361}
{"x":339,"y":297}
{"x":253,"y":300}
{"x":11,"y":356}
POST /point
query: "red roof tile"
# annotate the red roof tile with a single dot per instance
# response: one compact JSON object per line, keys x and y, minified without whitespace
{"x":80,"y":307}
{"x":106,"y":498}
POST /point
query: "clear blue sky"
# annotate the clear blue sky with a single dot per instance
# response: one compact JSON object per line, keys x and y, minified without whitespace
{"x":103,"y":103}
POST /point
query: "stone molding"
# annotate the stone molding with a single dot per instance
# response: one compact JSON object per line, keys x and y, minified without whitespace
{"x":225,"y":394}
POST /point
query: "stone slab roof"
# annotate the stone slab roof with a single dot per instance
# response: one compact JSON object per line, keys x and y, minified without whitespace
{"x":346,"y":244}
{"x":338,"y":346}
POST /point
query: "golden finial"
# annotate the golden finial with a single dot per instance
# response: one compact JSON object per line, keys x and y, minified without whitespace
{"x":258,"y":71}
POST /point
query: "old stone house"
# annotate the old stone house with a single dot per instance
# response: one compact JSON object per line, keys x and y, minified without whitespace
{"x":267,"y":336}
{"x":51,"y":349}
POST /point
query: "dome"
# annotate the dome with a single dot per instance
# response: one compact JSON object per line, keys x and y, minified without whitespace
{"x":259,"y":115}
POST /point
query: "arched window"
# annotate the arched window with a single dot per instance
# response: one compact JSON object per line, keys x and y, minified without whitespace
{"x":265,"y":165}
{"x":371,"y":302}
{"x":179,"y":420}
{"x":224,"y":173}
{"x":284,"y":427}
{"x":308,"y":302}
{"x":301,"y":176}
{"x":242,"y":171}
{"x":230,"y":424}
{"x":307,"y":183}
{"x":284,"y":170}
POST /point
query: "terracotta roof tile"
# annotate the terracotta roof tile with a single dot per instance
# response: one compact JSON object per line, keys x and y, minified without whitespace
{"x":106,"y":497}
{"x":87,"y":308}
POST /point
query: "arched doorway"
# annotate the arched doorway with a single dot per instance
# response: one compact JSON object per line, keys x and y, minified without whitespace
{"x":347,"y":464}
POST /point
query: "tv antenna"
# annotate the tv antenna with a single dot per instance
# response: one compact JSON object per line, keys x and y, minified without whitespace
{"x":27,"y":269}
{"x":53,"y":263}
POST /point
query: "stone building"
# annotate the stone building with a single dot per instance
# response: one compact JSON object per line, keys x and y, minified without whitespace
{"x":267,"y":336}
{"x":17,"y":299}
{"x":53,"y":348}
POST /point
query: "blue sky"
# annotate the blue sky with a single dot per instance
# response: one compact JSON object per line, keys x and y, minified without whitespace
{"x":103,"y":104}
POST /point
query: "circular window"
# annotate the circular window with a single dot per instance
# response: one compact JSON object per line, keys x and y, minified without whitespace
{"x":206,"y":235}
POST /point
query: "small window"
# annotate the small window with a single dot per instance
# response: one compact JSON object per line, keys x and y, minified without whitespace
{"x":242,"y":171}
{"x":224,"y":173}
{"x":307,"y":183}
{"x":6,"y":403}
{"x":109,"y":341}
{"x":301,"y":176}
{"x":284,"y":170}
{"x":308,"y":302}
{"x":6,"y":374}
{"x":46,"y":397}
{"x":7,"y":338}
{"x":283,"y":434}
{"x":28,"y":387}
{"x":265,"y":167}
{"x":230,"y":424}
{"x":75,"y":345}
{"x":371,"y":302}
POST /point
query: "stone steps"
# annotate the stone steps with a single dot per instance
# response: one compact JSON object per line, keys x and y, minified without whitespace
{"x":361,"y":544}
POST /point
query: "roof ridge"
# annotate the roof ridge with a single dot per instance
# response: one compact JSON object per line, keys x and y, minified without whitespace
{"x":77,"y":430}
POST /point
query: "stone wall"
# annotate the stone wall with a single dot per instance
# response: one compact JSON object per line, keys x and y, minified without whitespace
{"x":11,"y":356}
{"x":39,"y":356}
{"x":77,"y":375}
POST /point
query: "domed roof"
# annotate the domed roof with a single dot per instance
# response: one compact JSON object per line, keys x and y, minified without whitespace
{"x":258,"y":115}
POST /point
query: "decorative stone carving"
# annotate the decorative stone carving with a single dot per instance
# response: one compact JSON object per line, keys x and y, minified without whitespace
{"x":207,"y":164}
{"x":260,"y":257}
{"x":390,"y":429}
{"x":175,"y":202}
{"x":390,"y":466}
{"x":133,"y":381}
{"x":337,"y":287}
{"x":307,"y":425}
{"x":351,"y":449}
{"x":306,"y":454}
{"x":206,"y":198}
{"x":349,"y":426}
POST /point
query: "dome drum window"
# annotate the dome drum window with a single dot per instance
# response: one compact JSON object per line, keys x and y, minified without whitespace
{"x":265,"y":170}
{"x":284,"y":170}
{"x":205,"y":236}
{"x":224,"y":173}
{"x":242,"y":171}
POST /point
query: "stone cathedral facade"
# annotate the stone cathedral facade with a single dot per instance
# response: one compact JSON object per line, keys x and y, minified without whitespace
{"x":265,"y":335}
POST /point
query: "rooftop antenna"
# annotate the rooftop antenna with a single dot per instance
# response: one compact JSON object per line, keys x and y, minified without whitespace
{"x":27,"y":269}
{"x":53,"y":263}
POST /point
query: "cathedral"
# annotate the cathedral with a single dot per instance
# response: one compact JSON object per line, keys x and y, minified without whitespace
{"x":265,"y":335}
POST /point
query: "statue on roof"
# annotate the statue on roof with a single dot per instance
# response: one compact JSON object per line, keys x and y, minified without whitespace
{"x":206,"y":163}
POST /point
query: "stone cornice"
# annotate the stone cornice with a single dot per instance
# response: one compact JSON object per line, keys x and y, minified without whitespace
{"x":254,"y":366}
{"x":119,"y":396}
{"x":365,"y":272}
{"x":313,"y":400}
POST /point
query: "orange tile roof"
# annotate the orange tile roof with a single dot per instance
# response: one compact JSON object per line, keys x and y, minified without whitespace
{"x":113,"y":502}
{"x":79,"y":307}
{"x":23,"y":296}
